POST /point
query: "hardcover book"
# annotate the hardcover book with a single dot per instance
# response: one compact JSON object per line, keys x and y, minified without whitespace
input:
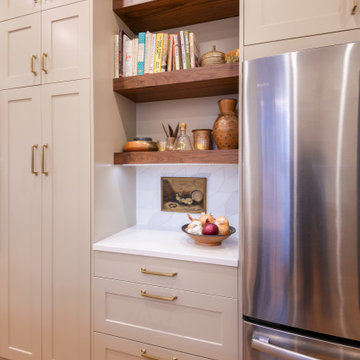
{"x":170,"y":53}
{"x":152,"y":53}
{"x":116,"y":56}
{"x":194,"y":51}
{"x":148,"y":38}
{"x":141,"y":53}
{"x":127,"y":56}
{"x":187,"y":49}
{"x":182,"y":49}
{"x":165,"y":52}
{"x":134,"y":56}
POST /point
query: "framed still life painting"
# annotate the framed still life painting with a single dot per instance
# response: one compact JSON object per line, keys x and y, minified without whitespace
{"x":183,"y":194}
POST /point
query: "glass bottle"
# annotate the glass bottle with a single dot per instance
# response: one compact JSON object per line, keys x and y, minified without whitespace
{"x":183,"y":141}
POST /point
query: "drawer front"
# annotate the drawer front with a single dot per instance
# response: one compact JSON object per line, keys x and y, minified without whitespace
{"x":203,"y":325}
{"x":108,"y":347}
{"x":198,"y":277}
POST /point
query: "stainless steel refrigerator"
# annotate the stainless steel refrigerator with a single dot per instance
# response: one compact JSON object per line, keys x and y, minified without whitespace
{"x":302,"y":205}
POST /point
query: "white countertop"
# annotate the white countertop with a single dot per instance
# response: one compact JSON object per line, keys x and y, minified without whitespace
{"x":171,"y":245}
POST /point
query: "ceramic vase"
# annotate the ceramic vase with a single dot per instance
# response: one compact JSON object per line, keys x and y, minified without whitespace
{"x":226,"y":126}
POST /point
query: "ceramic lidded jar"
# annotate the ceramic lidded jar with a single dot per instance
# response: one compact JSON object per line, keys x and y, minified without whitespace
{"x":226,"y":126}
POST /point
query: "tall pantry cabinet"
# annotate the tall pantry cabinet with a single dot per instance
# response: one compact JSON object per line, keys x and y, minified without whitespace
{"x":45,"y":187}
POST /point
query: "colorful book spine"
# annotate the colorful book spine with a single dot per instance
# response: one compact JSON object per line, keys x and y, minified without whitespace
{"x":165,"y":52}
{"x":177,"y":52}
{"x":194,"y":51}
{"x":141,"y":53}
{"x":152,"y":53}
{"x":134,"y":56}
{"x":158,"y":52}
{"x":170,"y":52}
{"x":183,"y":51}
{"x":147,"y":52}
{"x":127,"y":57}
{"x":187,"y":49}
{"x":116,"y":56}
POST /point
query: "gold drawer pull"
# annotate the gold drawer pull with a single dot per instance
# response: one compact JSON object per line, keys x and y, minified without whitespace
{"x":43,"y":66}
{"x":157,"y":297}
{"x":46,"y":173}
{"x":33,"y":159}
{"x":151,"y":357}
{"x":353,"y":11}
{"x":144,"y":271}
{"x":32,"y":67}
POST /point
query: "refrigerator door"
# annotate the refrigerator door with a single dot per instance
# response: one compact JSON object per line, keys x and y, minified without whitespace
{"x":301,"y":190}
{"x":263,"y":343}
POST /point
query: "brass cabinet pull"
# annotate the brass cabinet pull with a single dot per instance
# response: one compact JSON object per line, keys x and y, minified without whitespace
{"x":144,"y":271}
{"x":145,"y":355}
{"x":33,"y":159}
{"x":43,"y":56}
{"x":157,"y":297}
{"x":353,"y":11}
{"x":45,"y":146}
{"x":32,"y":67}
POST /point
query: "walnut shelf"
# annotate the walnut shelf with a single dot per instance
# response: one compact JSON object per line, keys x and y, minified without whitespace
{"x":199,"y":82}
{"x":178,"y":157}
{"x":154,"y":15}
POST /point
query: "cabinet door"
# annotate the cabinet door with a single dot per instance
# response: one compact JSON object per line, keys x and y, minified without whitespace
{"x":65,"y":43}
{"x":14,"y":8}
{"x":49,"y":4}
{"x":282,"y":19}
{"x":20,"y":224}
{"x":19,"y":52}
{"x":66,"y":221}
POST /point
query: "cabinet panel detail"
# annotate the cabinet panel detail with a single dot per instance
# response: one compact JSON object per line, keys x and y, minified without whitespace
{"x":108,"y":347}
{"x":65,"y":43}
{"x":275,"y":20}
{"x":20,"y":225}
{"x":191,"y":276}
{"x":66,"y":204}
{"x":14,"y":8}
{"x":19,"y":41}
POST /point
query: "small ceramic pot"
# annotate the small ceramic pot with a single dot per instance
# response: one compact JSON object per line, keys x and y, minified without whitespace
{"x":226,"y":126}
{"x":212,"y":57}
{"x":202,"y":139}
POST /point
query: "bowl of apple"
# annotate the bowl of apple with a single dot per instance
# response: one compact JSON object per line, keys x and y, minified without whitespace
{"x":208,"y":230}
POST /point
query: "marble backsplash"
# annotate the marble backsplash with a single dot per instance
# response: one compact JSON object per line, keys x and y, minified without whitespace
{"x":222,"y":193}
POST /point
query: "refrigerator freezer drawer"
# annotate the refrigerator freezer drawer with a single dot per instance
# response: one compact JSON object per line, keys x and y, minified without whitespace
{"x":263,"y":343}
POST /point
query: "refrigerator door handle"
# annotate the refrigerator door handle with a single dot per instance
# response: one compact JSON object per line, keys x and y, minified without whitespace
{"x":263,"y":344}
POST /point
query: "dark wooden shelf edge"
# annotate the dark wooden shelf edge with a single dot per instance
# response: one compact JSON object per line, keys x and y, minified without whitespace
{"x":180,"y":84}
{"x":178,"y":157}
{"x":166,"y":14}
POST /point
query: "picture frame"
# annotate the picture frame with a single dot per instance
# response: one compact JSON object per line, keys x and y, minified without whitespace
{"x":183,"y":194}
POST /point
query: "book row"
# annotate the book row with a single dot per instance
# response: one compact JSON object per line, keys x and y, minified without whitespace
{"x":150,"y":53}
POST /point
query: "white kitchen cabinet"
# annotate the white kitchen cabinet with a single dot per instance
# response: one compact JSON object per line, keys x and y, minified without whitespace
{"x":108,"y":347}
{"x":66,"y":221}
{"x":281,"y":19}
{"x":20,"y":52}
{"x":13,"y":8}
{"x":46,"y":47}
{"x":20,"y":224}
{"x":65,"y":43}
{"x":45,"y":222}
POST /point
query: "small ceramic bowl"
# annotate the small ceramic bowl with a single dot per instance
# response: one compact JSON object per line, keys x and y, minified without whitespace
{"x":140,"y":145}
{"x":208,"y":240}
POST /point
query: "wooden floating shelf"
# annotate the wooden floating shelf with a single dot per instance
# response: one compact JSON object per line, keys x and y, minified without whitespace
{"x":180,"y":84}
{"x":178,"y":157}
{"x":155,"y":15}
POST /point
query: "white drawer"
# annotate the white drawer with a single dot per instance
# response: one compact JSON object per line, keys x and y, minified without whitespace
{"x":203,"y":325}
{"x":197,"y":277}
{"x":108,"y":347}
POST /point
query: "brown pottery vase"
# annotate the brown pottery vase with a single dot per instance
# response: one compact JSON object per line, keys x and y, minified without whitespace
{"x":226,"y":126}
